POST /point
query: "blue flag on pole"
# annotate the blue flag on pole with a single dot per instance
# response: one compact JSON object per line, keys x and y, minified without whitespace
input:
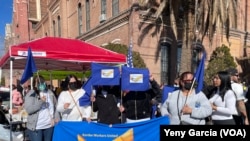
{"x":135,"y":79}
{"x":85,"y":99}
{"x":30,"y":67}
{"x":199,"y":74}
{"x":105,"y":75}
{"x":130,"y":57}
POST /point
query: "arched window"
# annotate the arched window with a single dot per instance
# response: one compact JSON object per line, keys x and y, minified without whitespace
{"x":165,"y":46}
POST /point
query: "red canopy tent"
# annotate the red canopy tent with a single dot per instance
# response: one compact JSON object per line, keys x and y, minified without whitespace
{"x":53,"y":53}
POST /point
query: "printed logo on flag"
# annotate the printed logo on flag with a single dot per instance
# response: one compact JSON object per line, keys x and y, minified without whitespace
{"x":107,"y":73}
{"x":136,"y":78}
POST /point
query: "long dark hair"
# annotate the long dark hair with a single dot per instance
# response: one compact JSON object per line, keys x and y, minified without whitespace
{"x":225,"y":83}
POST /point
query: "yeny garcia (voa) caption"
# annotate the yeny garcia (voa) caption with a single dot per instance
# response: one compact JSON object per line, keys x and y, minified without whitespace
{"x":213,"y":132}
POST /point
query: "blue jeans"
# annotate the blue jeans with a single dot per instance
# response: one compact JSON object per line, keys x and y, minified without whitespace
{"x":41,"y":134}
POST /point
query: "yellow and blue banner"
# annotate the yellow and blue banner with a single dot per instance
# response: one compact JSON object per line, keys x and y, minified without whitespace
{"x":84,"y":131}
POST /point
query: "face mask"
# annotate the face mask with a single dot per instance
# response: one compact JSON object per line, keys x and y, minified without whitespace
{"x":41,"y":87}
{"x":187,"y":86}
{"x":73,"y":85}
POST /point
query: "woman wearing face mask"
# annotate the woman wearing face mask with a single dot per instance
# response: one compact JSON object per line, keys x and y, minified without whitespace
{"x":68,"y":101}
{"x":40,"y":105}
{"x":185,"y":106}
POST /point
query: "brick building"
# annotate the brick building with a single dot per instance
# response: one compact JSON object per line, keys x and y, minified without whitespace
{"x":118,"y":21}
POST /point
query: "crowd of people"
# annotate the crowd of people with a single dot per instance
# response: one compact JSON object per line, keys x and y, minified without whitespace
{"x":223,"y":103}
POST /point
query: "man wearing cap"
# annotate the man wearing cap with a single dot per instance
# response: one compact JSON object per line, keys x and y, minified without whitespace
{"x":241,"y":118}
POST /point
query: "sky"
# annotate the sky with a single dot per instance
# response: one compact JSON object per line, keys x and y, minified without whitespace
{"x":5,"y":17}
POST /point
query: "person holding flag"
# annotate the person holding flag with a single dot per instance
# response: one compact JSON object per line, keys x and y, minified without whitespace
{"x":186,"y":106}
{"x":40,"y":104}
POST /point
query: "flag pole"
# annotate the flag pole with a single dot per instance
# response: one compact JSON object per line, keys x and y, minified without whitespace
{"x":120,"y":106}
{"x":189,"y":92}
{"x":199,"y":73}
{"x":92,"y":103}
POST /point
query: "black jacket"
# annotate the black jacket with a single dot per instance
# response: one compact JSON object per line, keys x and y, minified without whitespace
{"x":108,"y":112}
{"x":3,"y":119}
{"x":138,"y":105}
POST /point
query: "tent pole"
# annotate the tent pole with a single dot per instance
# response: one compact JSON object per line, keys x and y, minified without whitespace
{"x":10,"y":111}
{"x":0,"y":76}
{"x":50,"y":77}
{"x":31,"y":85}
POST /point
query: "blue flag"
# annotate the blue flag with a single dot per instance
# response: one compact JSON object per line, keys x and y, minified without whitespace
{"x":85,"y":99}
{"x":199,"y":74}
{"x":30,"y":67}
{"x":130,"y":57}
{"x":105,"y":75}
{"x":135,"y":79}
{"x":166,"y":90}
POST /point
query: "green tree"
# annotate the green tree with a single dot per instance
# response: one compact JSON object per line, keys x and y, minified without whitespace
{"x":123,"y":49}
{"x":220,"y":60}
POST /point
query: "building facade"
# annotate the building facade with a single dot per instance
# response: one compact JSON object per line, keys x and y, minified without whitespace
{"x":100,"y":22}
